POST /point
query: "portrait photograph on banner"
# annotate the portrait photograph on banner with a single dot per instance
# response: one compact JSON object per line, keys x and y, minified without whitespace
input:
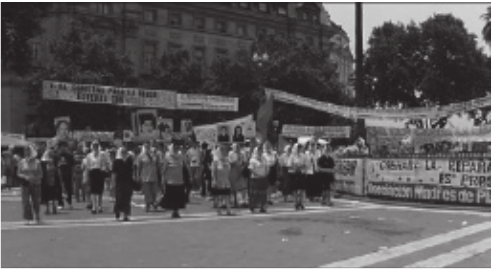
{"x":145,"y":124}
{"x":62,"y":128}
{"x":186,"y":127}
{"x":223,"y":133}
{"x":238,"y":134}
{"x":165,"y":129}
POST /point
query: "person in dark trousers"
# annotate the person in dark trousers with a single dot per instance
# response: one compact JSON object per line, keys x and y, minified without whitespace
{"x":174,"y":168}
{"x":206,"y":173}
{"x":326,"y":176}
{"x":30,"y":174}
{"x":65,"y":163}
{"x":123,"y":180}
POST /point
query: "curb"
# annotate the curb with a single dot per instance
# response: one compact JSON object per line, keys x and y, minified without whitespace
{"x":416,"y":204}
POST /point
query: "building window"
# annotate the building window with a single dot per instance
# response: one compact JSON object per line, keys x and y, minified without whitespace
{"x":244,"y":5}
{"x":173,"y":48}
{"x":263,"y":7}
{"x":261,"y":32}
{"x":241,"y":30}
{"x":104,"y":8}
{"x":150,"y":15}
{"x":282,"y":10}
{"x":150,"y":52}
{"x":35,"y":51}
{"x":221,"y":53}
{"x":221,"y":26}
{"x":199,"y":22}
{"x":315,"y":18}
{"x":310,"y":41}
{"x":174,"y":19}
{"x":199,"y":55}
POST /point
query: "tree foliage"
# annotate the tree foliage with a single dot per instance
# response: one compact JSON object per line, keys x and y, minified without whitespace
{"x":282,"y":64}
{"x":83,"y":55}
{"x":435,"y":62}
{"x":20,"y":22}
{"x":487,"y":27}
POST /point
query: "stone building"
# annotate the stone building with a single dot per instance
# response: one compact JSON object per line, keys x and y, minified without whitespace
{"x":144,"y":31}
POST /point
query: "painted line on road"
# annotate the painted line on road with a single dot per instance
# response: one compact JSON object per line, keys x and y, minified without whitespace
{"x":187,"y":218}
{"x":454,"y":256}
{"x":435,"y":210}
{"x":395,"y":252}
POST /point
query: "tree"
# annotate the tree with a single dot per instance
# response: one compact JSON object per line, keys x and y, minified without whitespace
{"x":20,"y":23}
{"x":487,"y":27}
{"x":176,"y":71}
{"x":286,"y":65}
{"x":83,"y":55}
{"x":435,"y":62}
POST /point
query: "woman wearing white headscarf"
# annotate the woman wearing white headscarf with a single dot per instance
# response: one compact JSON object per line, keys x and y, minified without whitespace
{"x":173,"y":173}
{"x":98,"y":164}
{"x":221,"y":168}
{"x":297,"y":167}
{"x":259,"y":183}
{"x":123,"y":180}
{"x":283,"y":163}
{"x":30,"y":173}
{"x":148,"y":175}
{"x":238,"y":180}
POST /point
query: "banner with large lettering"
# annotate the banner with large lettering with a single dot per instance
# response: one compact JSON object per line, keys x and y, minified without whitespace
{"x":206,"y":102}
{"x":362,"y":113}
{"x":349,"y":176}
{"x":466,"y":181}
{"x":97,"y":94}
{"x":325,"y":132}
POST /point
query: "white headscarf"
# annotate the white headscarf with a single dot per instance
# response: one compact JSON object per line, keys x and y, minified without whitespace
{"x":47,"y":156}
{"x":119,"y":154}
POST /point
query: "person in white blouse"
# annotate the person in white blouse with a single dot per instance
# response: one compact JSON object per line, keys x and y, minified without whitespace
{"x":297,"y":169}
{"x":284,"y":167}
{"x":238,"y":180}
{"x":311,"y":157}
{"x":270,"y":157}
{"x":259,"y":183}
{"x":98,"y":165}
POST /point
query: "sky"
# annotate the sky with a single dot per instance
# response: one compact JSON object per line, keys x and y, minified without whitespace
{"x":375,"y":14}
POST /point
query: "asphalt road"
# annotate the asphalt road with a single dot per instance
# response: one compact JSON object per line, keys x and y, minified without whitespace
{"x":350,"y":234}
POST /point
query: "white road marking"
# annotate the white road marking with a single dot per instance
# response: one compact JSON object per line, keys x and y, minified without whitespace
{"x":160,"y":220}
{"x":437,"y":210}
{"x":455,"y":256}
{"x":392,"y":253}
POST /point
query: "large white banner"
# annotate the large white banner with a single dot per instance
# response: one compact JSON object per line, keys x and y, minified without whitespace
{"x":362,"y":113}
{"x":234,"y":131}
{"x":96,"y":94}
{"x":206,"y":102}
{"x":328,"y":132}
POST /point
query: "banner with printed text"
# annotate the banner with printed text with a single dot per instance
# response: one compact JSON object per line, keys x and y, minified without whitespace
{"x":464,"y":181}
{"x":206,"y":102}
{"x":362,"y":113}
{"x":349,"y":176}
{"x":97,"y":94}
{"x":324,"y":132}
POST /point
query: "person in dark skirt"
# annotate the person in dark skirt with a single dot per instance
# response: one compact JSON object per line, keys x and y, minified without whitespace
{"x":221,"y":169}
{"x":313,"y":189}
{"x":206,"y":173}
{"x":284,"y":169}
{"x":49,"y":188}
{"x":97,"y":164}
{"x":173,"y":168}
{"x":259,"y":183}
{"x":123,"y":180}
{"x":326,"y":165}
{"x":297,"y":170}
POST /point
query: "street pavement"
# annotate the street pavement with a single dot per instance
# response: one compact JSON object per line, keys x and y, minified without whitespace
{"x":349,"y":234}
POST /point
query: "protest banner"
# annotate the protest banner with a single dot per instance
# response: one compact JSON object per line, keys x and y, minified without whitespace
{"x":237,"y":130}
{"x":459,"y":181}
{"x":206,"y":102}
{"x":97,"y":94}
{"x":362,"y":113}
{"x":89,"y":136}
{"x":324,"y":132}
{"x":349,"y":176}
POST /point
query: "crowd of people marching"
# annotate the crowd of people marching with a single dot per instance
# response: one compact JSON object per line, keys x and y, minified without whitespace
{"x":231,"y":176}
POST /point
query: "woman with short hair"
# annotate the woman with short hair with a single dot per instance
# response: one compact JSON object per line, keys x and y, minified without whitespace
{"x":123,"y":180}
{"x":97,"y":165}
{"x":147,"y":173}
{"x":49,"y":188}
{"x":30,"y":174}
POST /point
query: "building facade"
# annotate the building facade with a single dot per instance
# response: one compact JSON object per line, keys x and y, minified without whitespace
{"x":144,"y":31}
